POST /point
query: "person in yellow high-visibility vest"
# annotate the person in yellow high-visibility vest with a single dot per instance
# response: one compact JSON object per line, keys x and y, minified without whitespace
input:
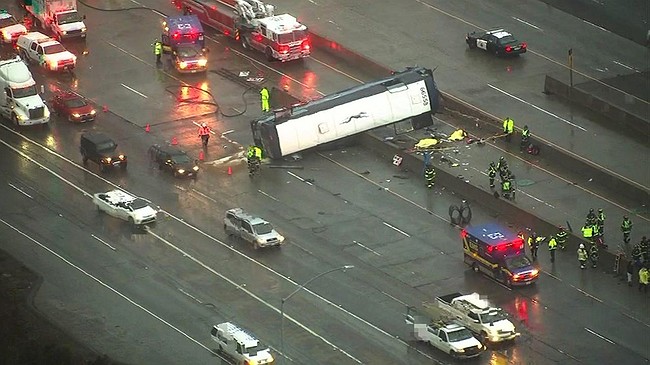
{"x":508,"y":128}
{"x":264,"y":93}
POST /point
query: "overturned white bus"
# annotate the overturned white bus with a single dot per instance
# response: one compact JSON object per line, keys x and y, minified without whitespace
{"x":409,"y":94}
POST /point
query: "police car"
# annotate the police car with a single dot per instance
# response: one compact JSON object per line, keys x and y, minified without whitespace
{"x":10,"y":28}
{"x":124,"y":206}
{"x":496,"y":41}
{"x":498,"y":253}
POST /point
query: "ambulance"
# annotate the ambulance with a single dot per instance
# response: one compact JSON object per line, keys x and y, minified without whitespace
{"x":498,"y":253}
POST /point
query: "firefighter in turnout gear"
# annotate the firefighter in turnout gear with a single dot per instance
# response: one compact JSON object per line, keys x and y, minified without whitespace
{"x":429,"y":176}
{"x":254,"y":159}
{"x":591,"y":217}
{"x":593,"y":255}
{"x":600,"y":221}
{"x":533,"y":244}
{"x":582,"y":255}
{"x":492,"y":173}
{"x":506,"y":188}
{"x":561,"y":237}
{"x":525,"y":139}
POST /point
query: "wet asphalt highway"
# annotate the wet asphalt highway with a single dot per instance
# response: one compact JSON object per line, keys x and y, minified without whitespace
{"x":189,"y":274}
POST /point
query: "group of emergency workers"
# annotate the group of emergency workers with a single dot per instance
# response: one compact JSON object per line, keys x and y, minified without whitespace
{"x":506,"y":176}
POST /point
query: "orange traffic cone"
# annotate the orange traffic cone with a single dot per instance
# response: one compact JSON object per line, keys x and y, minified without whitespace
{"x":147,"y":128}
{"x":201,"y":156}
{"x":174,"y":141}
{"x":105,"y":108}
{"x":229,"y":170}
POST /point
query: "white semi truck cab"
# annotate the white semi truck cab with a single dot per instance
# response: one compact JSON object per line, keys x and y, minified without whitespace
{"x":19,"y":99}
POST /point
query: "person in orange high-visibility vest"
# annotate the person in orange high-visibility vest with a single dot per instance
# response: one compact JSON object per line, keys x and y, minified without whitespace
{"x":204,"y":134}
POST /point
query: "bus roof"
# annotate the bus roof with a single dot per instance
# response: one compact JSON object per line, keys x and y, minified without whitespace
{"x":492,"y":233}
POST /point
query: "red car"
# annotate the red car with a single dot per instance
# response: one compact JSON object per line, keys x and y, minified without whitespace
{"x":74,"y":107}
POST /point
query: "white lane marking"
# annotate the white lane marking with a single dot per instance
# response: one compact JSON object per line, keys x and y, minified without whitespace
{"x":299,"y":178}
{"x":204,"y":195}
{"x":600,"y":336}
{"x":527,"y":23}
{"x":396,"y":229}
{"x":626,"y":66}
{"x":104,"y":242}
{"x":536,"y":107}
{"x":20,"y":190}
{"x":267,"y":195}
{"x":180,"y":188}
{"x":587,"y":294}
{"x":227,"y":132}
{"x":393,"y":298}
{"x":635,"y":319}
{"x":188,"y":225}
{"x":597,"y":26}
{"x":535,"y":198}
{"x":242,"y":287}
{"x":190,"y":295}
{"x":110,"y":288}
{"x":551,"y":275}
{"x":135,"y":91}
{"x":366,"y":247}
{"x":47,"y":169}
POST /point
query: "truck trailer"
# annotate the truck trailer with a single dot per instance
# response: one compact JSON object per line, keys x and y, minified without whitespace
{"x":59,"y":16}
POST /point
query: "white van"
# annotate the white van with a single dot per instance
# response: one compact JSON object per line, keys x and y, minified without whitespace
{"x":243,"y":347}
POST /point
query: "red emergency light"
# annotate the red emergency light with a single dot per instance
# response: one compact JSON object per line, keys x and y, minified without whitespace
{"x":305,"y":45}
{"x":463,"y":234}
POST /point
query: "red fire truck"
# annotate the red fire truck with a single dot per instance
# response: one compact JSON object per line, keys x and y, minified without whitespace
{"x":253,"y":23}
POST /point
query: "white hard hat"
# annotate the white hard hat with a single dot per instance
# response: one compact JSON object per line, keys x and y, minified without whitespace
{"x":204,"y":124}
{"x":582,"y":245}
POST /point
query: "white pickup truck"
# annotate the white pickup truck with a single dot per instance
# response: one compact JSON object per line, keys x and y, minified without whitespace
{"x":35,"y":47}
{"x":446,"y":336}
{"x":490,"y":323}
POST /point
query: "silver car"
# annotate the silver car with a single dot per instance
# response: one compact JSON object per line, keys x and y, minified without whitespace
{"x":251,"y":228}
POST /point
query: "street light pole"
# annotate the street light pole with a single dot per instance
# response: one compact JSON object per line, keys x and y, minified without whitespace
{"x":300,"y":287}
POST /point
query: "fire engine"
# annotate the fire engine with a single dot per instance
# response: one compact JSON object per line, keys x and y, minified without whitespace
{"x":254,"y":25}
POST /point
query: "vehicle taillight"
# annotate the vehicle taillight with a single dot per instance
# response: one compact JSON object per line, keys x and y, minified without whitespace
{"x":176,"y":36}
{"x":305,"y":45}
{"x":524,"y":45}
{"x":508,"y":49}
{"x":283,"y":48}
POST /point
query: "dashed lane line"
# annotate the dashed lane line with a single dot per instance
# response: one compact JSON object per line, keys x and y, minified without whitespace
{"x":91,"y":276}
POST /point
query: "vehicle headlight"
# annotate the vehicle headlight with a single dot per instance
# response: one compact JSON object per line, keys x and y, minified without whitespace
{"x":195,"y":168}
{"x":76,"y":115}
{"x":64,"y":32}
{"x":108,"y":159}
{"x":46,"y":111}
{"x":182,"y":64}
{"x":20,"y":116}
{"x":203,"y":62}
{"x":83,"y":30}
{"x":181,"y":171}
{"x":52,"y":64}
{"x":460,"y":350}
{"x":6,"y":36}
{"x":280,"y":238}
{"x":121,"y":157}
{"x":92,"y":112}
